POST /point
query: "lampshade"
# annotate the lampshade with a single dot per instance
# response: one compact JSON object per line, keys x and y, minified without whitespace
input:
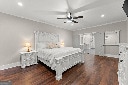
{"x":27,"y":44}
{"x":62,"y":44}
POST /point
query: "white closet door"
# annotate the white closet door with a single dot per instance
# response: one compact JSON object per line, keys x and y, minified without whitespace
{"x":99,"y":42}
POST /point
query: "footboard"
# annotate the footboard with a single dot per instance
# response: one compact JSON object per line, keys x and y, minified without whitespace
{"x":66,"y":63}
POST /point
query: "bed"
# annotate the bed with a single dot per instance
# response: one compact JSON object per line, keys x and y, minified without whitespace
{"x":60,"y":58}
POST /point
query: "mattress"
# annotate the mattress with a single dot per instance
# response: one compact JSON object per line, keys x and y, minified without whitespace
{"x":56,"y":53}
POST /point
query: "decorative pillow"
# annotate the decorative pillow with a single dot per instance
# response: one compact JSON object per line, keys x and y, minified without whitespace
{"x":54,"y":45}
{"x":58,"y":45}
{"x":50,"y":45}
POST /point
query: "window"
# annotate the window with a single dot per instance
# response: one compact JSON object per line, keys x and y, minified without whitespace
{"x":112,"y":37}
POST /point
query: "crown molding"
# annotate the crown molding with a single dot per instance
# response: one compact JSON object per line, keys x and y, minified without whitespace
{"x":39,"y":21}
{"x":102,"y":24}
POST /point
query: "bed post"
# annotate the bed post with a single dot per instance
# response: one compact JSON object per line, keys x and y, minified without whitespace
{"x":82,"y":57}
{"x":35,"y":36}
{"x":58,"y":70}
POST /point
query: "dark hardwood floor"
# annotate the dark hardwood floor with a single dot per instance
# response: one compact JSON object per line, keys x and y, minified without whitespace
{"x":95,"y":71}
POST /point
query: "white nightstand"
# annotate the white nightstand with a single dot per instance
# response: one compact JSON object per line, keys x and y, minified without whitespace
{"x":28,"y":58}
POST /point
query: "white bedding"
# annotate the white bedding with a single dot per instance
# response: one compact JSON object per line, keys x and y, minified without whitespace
{"x":57,"y":53}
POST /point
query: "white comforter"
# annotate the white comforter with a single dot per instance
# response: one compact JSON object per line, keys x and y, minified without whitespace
{"x":57,"y":53}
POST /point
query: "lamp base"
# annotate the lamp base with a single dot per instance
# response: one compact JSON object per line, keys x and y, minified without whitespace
{"x":28,"y":50}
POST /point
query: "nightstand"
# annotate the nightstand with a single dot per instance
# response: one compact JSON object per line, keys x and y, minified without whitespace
{"x":28,"y":58}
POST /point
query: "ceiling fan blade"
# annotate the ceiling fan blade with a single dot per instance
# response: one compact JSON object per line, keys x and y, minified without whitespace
{"x":61,"y":18}
{"x":95,"y":4}
{"x":77,"y":17}
{"x":69,"y":7}
{"x":51,"y":12}
{"x":80,"y":16}
{"x":125,"y":7}
{"x":74,"y":21}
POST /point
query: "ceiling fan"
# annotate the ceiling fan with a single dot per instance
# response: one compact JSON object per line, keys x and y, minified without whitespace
{"x":70,"y":11}
{"x":125,"y":7}
{"x":70,"y":19}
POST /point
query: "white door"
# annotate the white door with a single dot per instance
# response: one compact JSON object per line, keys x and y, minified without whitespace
{"x":87,"y":40}
{"x":99,"y":42}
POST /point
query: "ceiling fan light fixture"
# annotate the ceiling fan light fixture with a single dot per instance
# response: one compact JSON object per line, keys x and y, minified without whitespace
{"x":69,"y":21}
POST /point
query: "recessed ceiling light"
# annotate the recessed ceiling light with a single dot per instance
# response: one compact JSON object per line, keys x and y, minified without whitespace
{"x":102,"y":15}
{"x":20,"y":4}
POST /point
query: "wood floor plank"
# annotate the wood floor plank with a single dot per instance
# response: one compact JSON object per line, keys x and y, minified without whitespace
{"x":96,"y":70}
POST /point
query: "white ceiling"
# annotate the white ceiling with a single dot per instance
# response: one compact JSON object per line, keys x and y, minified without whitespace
{"x":35,"y":10}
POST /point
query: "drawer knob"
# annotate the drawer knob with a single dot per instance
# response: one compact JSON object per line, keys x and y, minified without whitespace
{"x":121,"y":60}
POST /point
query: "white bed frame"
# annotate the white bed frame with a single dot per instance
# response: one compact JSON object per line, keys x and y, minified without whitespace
{"x":61,"y":64}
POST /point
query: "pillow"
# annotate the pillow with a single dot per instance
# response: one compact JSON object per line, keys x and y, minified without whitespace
{"x":58,"y":45}
{"x":50,"y":45}
{"x":54,"y":45}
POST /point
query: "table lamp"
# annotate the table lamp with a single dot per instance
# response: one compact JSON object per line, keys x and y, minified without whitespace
{"x":28,"y":45}
{"x":62,"y":44}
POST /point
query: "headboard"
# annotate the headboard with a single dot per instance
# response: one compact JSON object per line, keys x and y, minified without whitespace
{"x":44,"y":38}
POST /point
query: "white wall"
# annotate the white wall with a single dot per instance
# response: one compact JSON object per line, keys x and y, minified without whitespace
{"x":14,"y":32}
{"x":108,"y":27}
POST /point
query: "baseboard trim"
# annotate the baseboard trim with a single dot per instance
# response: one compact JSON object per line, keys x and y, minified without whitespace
{"x":3,"y":67}
{"x":110,"y":55}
